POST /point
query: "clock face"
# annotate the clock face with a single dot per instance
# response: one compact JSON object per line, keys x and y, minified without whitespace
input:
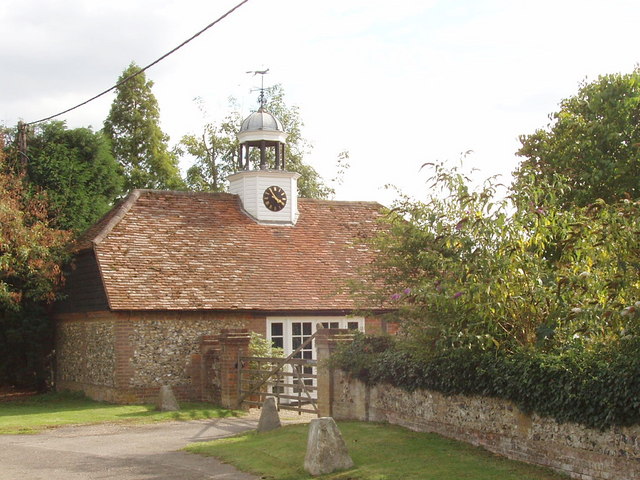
{"x":274,"y":198}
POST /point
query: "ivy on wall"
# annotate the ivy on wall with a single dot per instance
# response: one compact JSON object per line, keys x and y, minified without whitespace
{"x":597,"y":388}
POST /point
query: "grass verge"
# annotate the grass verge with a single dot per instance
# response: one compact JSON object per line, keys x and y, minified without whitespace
{"x":36,"y":413}
{"x":380,"y":452}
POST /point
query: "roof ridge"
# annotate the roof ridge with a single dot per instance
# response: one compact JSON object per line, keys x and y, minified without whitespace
{"x":343,"y":202}
{"x":115,"y":219}
{"x":186,"y":193}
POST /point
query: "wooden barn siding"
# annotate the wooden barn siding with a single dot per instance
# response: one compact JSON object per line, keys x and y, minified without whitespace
{"x":83,"y":290}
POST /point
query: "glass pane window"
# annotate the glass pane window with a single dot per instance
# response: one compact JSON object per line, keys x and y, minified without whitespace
{"x":277,"y":334}
{"x":276,"y":329}
{"x":331,"y":324}
{"x":300,"y":333}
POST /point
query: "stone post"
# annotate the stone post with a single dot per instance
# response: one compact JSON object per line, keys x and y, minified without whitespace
{"x":327,"y":340}
{"x":326,"y":450}
{"x":233,"y":343}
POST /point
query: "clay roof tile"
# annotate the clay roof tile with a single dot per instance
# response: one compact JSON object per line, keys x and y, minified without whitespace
{"x":160,"y":250}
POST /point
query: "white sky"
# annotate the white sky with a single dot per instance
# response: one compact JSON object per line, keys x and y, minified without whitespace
{"x":396,"y":83}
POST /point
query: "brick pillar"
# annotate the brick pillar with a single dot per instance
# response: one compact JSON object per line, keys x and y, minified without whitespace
{"x":124,"y":352}
{"x":327,"y":340}
{"x":233,"y":343}
{"x":209,"y":367}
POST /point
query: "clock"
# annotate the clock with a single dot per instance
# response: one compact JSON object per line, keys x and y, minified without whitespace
{"x":274,"y":198}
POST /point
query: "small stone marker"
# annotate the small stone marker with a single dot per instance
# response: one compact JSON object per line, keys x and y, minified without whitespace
{"x":167,"y":400}
{"x":269,"y":417}
{"x":326,"y":450}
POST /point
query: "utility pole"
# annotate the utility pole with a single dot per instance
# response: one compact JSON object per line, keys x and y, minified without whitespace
{"x":22,"y":144}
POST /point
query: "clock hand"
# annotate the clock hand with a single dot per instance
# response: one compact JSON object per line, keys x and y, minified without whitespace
{"x":275,"y":197}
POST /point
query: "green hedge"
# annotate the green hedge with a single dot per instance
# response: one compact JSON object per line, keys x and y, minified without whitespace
{"x":598,"y":389}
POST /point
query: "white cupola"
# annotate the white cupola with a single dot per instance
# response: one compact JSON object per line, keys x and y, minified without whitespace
{"x":268,"y":193}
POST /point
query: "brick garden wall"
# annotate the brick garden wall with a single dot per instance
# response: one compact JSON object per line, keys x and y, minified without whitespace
{"x":127,"y":357}
{"x":497,"y":425}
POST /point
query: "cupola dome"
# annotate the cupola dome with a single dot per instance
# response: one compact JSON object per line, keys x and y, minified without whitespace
{"x":259,"y":124}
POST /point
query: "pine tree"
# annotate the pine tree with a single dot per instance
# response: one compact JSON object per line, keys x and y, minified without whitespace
{"x":138,"y":143}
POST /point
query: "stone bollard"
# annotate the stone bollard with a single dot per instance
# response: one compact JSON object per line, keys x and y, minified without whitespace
{"x":326,"y":450}
{"x":167,"y":400}
{"x":269,"y":418}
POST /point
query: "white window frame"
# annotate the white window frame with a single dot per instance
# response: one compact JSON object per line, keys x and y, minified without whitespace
{"x":287,"y":329}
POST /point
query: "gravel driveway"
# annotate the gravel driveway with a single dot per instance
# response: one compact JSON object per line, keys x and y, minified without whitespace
{"x":124,"y":452}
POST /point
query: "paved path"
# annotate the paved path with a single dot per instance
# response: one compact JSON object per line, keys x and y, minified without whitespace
{"x":123,"y":452}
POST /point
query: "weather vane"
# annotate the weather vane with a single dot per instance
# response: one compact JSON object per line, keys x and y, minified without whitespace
{"x":261,"y":99}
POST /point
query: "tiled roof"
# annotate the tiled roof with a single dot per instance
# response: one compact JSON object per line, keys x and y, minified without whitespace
{"x":163,"y":250}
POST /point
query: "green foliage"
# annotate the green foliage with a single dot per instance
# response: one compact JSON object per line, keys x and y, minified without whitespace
{"x":138,"y":143}
{"x":469,"y":268}
{"x":310,"y":184}
{"x":30,"y":250}
{"x":593,"y":142}
{"x":216,"y":150}
{"x":31,"y":253}
{"x":261,"y":347}
{"x":77,"y":171}
{"x":215,"y":153}
{"x":598,"y":388}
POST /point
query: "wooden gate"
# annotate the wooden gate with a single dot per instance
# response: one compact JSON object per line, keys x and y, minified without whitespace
{"x":292,"y":381}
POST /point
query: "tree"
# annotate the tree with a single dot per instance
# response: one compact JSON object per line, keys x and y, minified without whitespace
{"x":215,"y":153}
{"x":471,"y":267}
{"x":77,"y":171}
{"x":31,"y":252}
{"x":216,"y":150}
{"x":310,"y":184}
{"x":593,"y":142}
{"x":137,"y":140}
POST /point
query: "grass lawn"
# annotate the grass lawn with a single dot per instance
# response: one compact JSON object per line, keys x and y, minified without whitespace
{"x":380,"y":452}
{"x":33,"y":414}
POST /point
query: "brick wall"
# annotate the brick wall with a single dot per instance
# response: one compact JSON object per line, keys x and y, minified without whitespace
{"x":497,"y":425}
{"x":380,"y":326}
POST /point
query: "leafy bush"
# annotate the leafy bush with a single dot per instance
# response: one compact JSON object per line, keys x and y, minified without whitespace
{"x":261,"y":347}
{"x":470,"y":267}
{"x":597,"y":388}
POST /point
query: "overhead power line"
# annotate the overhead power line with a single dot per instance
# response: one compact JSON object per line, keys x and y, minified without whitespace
{"x":142,"y":69}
